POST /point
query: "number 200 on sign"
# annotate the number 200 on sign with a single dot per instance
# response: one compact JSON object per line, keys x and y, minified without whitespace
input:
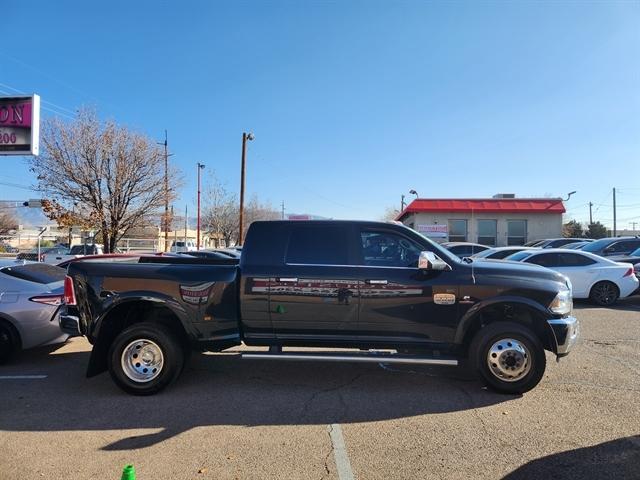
{"x":7,"y":138}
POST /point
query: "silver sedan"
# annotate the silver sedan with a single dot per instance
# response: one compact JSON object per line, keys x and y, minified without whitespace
{"x":30,"y":299}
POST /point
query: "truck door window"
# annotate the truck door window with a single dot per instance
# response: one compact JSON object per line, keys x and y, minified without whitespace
{"x":388,"y":249}
{"x":318,"y":245}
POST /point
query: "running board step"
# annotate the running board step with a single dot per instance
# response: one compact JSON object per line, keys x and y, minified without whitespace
{"x":351,"y":357}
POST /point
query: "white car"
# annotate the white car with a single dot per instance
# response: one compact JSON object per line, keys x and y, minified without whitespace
{"x":180,"y":246}
{"x":594,"y":277}
{"x":76,"y":251}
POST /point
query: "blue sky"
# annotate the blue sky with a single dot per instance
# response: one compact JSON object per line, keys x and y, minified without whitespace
{"x":353,"y":103}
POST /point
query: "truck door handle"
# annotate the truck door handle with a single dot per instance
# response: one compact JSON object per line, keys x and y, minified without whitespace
{"x":288,"y":279}
{"x":376,"y":282}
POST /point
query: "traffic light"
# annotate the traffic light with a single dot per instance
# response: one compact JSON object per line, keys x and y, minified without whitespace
{"x":33,"y":203}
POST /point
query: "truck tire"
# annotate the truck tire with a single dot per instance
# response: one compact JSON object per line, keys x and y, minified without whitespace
{"x":145,"y":358}
{"x":508,"y":356}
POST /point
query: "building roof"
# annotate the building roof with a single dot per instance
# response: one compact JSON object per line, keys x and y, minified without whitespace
{"x":484,"y":205}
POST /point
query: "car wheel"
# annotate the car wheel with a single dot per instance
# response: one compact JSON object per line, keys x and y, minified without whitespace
{"x":8,"y":343}
{"x":145,"y":358}
{"x":604,"y":293}
{"x":508,"y":356}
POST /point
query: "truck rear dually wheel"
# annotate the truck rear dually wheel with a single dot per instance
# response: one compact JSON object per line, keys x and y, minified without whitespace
{"x":145,"y":358}
{"x":508,"y":356}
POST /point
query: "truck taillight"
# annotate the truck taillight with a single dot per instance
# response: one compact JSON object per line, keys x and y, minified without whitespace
{"x":69,"y":291}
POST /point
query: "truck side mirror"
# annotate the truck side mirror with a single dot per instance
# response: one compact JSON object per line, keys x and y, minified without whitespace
{"x":430,"y":261}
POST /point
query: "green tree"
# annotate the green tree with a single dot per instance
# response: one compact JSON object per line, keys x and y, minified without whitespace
{"x":596,"y":230}
{"x":572,"y":229}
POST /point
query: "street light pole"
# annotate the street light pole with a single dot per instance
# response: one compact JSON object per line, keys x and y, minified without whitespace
{"x":166,"y":191}
{"x":200,"y":167}
{"x":245,"y":137}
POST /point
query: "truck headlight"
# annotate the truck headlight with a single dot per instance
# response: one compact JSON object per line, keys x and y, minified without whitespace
{"x":563,"y":303}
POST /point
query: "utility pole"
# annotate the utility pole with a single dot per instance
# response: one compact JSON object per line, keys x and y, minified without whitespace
{"x":175,"y":230}
{"x":245,"y":137}
{"x":166,"y":191}
{"x":283,"y":210}
{"x":186,"y":217}
{"x":614,"y":212}
{"x":590,"y":215}
{"x":402,"y":204}
{"x":200,"y":167}
{"x":633,"y":226}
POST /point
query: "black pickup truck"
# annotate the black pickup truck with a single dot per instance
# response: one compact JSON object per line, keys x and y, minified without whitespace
{"x":363,"y":291}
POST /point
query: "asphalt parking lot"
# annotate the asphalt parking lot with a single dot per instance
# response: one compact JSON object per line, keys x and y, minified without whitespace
{"x":233,"y":419}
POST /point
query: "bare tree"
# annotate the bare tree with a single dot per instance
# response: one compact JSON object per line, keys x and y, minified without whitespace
{"x":8,"y":222}
{"x":256,"y":210}
{"x":389,"y":214}
{"x":220,"y":213}
{"x":115,"y":176}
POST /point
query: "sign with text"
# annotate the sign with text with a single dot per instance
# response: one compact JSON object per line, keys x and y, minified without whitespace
{"x":19,"y":125}
{"x":435,"y":230}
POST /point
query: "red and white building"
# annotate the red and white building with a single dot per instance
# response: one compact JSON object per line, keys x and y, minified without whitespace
{"x":499,"y":221}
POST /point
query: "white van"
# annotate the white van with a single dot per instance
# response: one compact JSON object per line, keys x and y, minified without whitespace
{"x":181,"y":246}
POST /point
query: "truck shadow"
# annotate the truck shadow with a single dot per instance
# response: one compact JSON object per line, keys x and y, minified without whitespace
{"x":619,"y":458}
{"x":225,"y":390}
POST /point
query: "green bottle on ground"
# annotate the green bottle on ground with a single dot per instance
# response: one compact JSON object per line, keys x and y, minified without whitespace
{"x":128,"y":473}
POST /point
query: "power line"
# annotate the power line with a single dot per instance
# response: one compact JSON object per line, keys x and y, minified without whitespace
{"x":43,"y":101}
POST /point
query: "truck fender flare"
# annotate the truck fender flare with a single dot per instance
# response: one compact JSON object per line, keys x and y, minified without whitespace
{"x":98,"y":358}
{"x":143,"y":296}
{"x":534,"y":307}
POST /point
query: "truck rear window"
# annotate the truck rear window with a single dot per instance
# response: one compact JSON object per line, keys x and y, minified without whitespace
{"x":36,"y":272}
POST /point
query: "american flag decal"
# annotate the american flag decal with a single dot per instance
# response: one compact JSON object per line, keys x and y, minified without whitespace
{"x":196,"y":294}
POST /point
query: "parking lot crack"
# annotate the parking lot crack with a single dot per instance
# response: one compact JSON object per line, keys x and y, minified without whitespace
{"x":328,"y":455}
{"x":312,"y":398}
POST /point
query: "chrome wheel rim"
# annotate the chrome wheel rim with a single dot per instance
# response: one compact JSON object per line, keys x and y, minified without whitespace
{"x":142,"y":360}
{"x":509,"y":360}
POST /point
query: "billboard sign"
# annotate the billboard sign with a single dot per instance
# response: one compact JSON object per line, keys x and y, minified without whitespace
{"x":435,"y":231}
{"x":19,"y":125}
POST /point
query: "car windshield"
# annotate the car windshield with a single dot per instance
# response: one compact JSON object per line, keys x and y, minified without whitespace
{"x":597,"y":245}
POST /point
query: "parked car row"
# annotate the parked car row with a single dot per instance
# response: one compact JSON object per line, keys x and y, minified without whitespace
{"x":602,"y":270}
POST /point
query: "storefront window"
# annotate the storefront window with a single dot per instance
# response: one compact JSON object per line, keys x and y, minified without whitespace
{"x":487,"y":232}
{"x":516,"y":232}
{"x":457,"y":230}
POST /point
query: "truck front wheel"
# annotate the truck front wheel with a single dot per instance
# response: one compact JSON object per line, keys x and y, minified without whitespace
{"x":508,"y":356}
{"x":145,"y":358}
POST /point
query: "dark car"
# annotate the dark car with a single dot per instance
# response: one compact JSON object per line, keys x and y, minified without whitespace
{"x":354,"y":288}
{"x":464,"y":249}
{"x":559,"y":242}
{"x":633,"y":257}
{"x":607,"y":247}
{"x":498,"y":253}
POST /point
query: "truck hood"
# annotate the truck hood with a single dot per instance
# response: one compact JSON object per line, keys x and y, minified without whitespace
{"x":515,"y":270}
